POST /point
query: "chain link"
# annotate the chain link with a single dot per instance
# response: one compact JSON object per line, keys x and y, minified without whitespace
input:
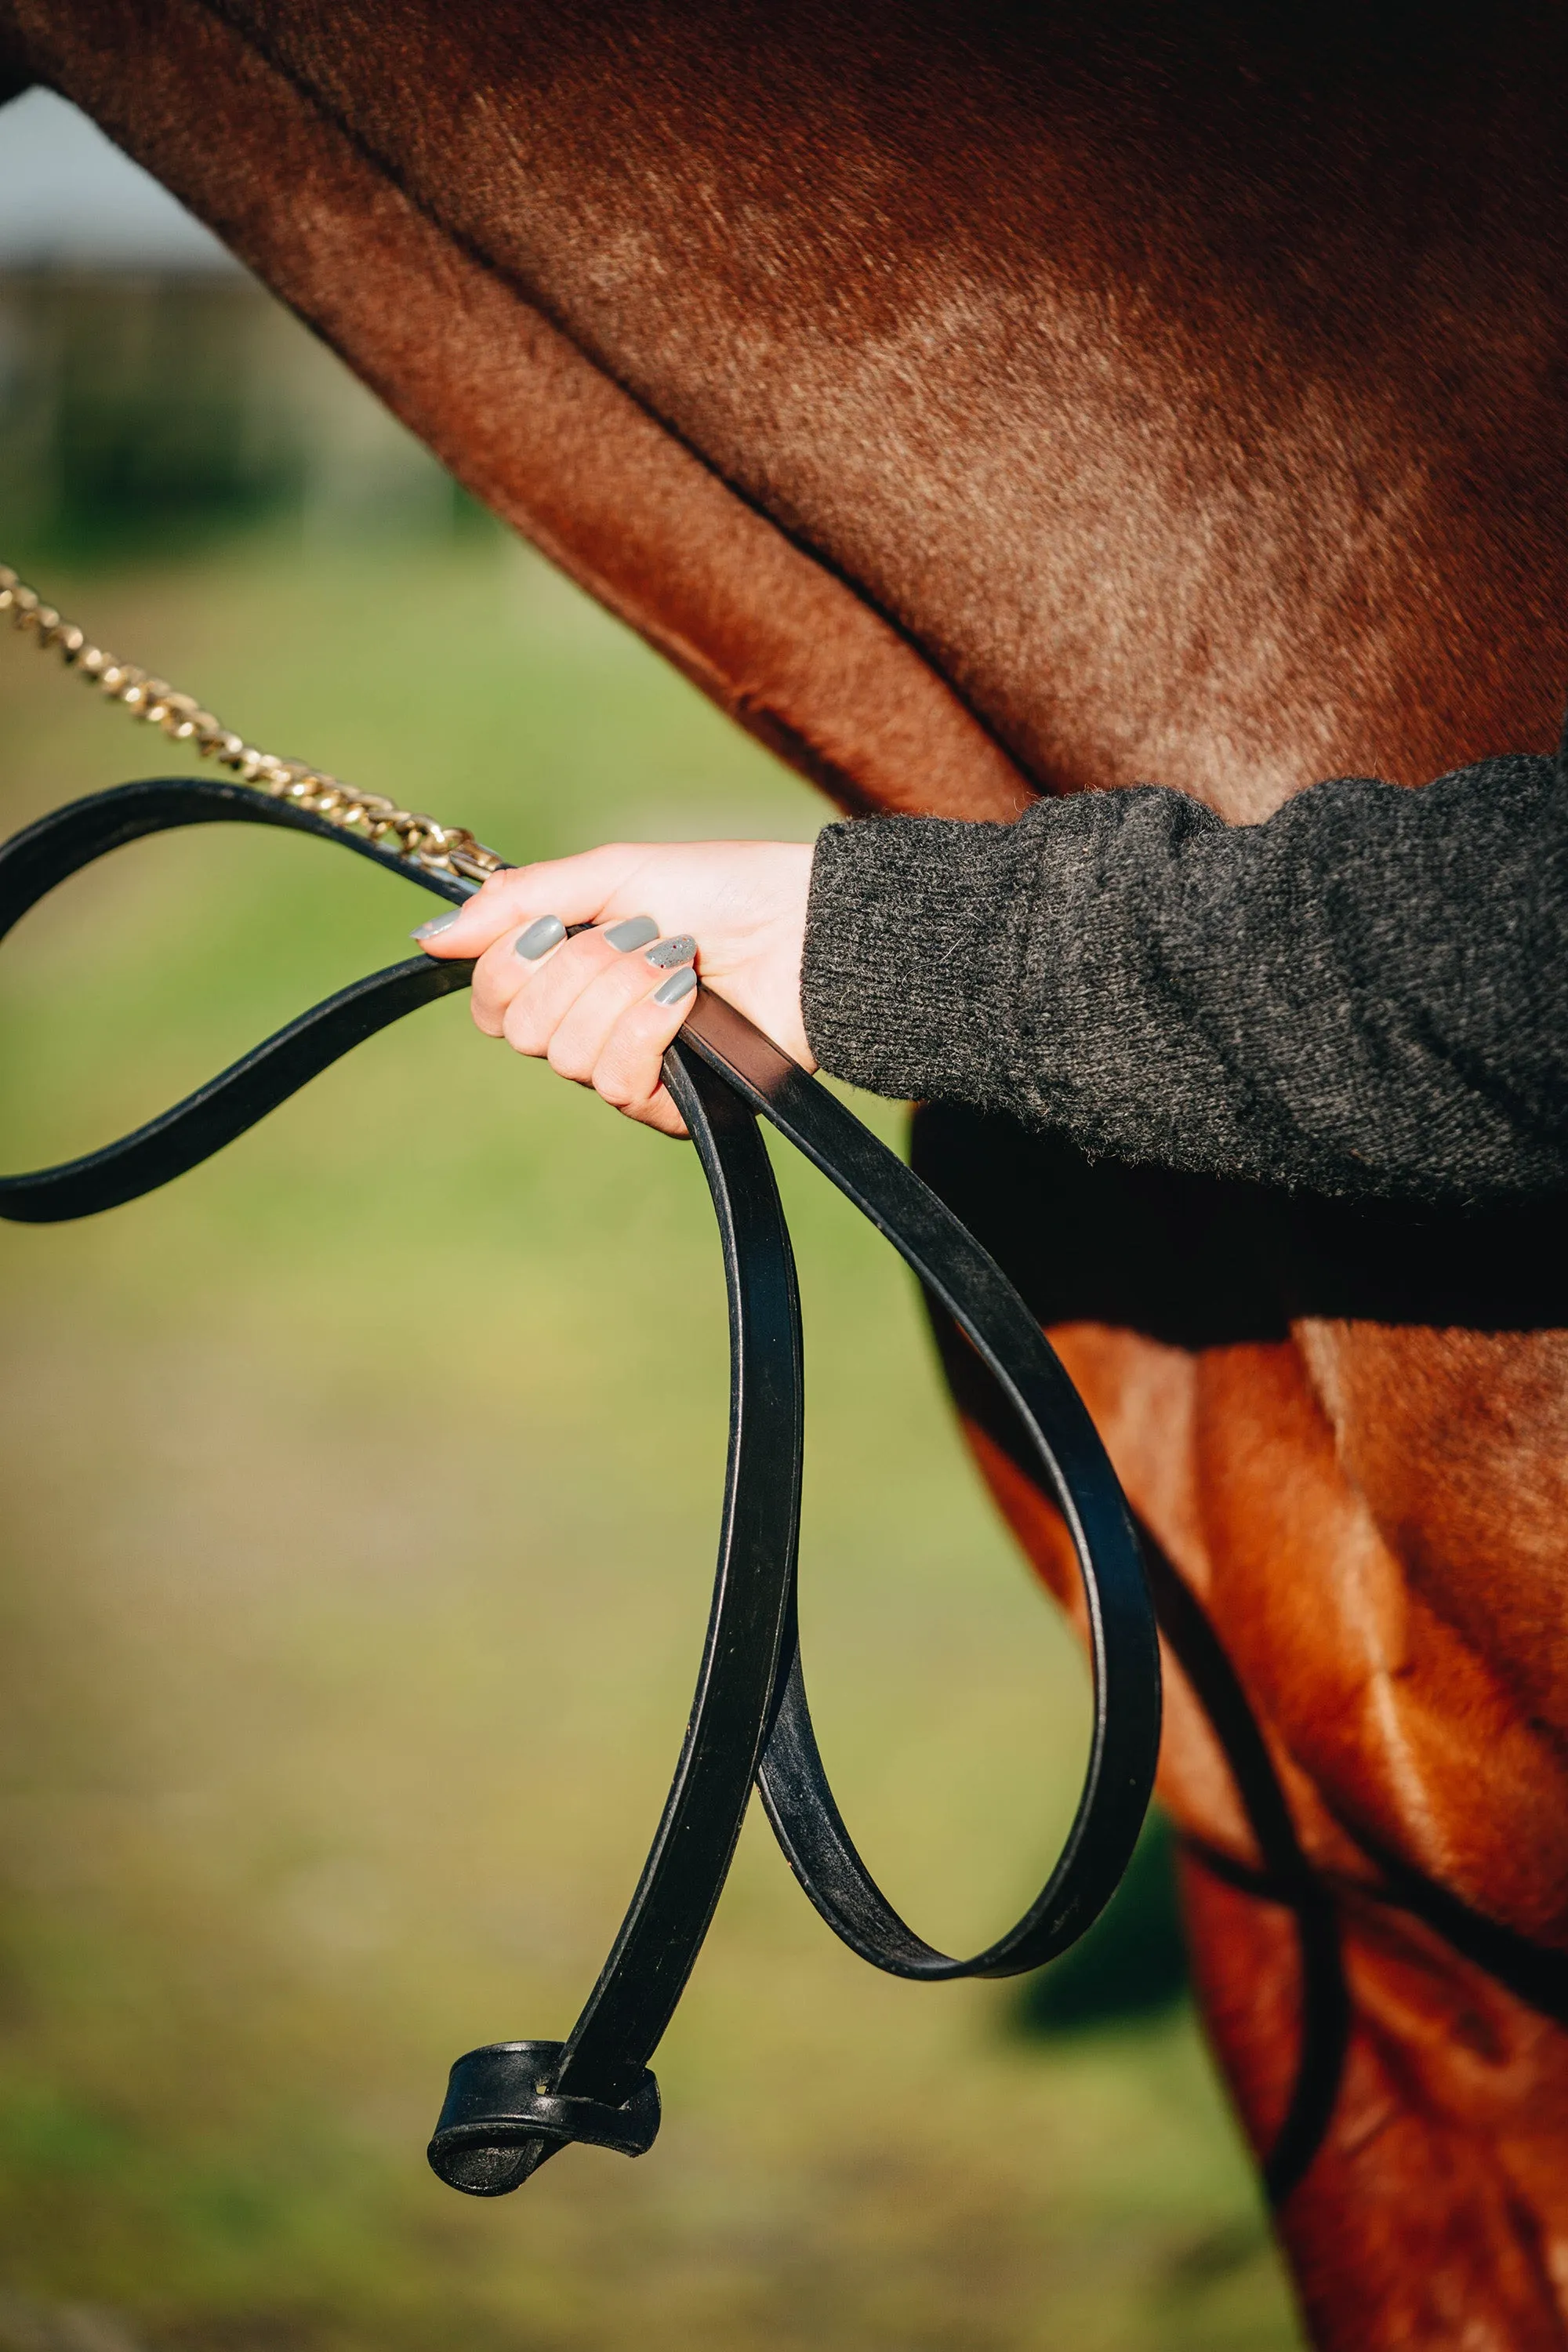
{"x":438,"y":848}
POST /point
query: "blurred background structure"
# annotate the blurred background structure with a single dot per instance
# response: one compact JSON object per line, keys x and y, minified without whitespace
{"x":152,"y":395}
{"x":361,"y":1491}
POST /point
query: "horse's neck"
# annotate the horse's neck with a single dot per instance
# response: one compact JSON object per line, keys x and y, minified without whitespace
{"x":958,"y":413}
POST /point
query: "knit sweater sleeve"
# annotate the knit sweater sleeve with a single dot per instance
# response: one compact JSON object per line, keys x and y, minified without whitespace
{"x":1367,"y":994}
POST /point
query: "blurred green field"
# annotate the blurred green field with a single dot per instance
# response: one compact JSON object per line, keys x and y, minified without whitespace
{"x":360,"y":1497}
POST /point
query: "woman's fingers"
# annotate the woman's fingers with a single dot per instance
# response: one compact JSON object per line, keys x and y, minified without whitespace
{"x":602,"y":1007}
{"x":569,"y":1008}
{"x":573,"y":889}
{"x":521,"y":960}
{"x":746,"y":901}
{"x":516,"y":958}
{"x":628,"y":1069}
{"x":579,"y":1042}
{"x":588,"y":1002}
{"x":529,"y":981}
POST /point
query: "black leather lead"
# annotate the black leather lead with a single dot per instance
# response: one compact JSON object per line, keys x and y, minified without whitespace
{"x":511,"y":2106}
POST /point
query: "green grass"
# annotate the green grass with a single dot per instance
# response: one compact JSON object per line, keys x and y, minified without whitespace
{"x":360,"y":1497}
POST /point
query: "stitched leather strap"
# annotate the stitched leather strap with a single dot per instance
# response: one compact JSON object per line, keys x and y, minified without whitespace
{"x":511,"y":2106}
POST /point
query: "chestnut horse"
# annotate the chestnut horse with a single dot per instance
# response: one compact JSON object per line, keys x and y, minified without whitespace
{"x":983,"y":402}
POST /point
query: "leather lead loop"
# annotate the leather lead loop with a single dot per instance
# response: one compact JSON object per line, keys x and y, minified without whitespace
{"x":511,"y":2106}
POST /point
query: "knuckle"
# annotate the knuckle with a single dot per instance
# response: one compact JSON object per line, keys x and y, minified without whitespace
{"x":520,"y":1029}
{"x":620,"y":1072}
{"x":595,"y":950}
{"x":491,"y":984}
{"x":488,"y":1005}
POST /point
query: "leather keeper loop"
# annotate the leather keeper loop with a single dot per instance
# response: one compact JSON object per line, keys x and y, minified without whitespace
{"x":501,"y":2104}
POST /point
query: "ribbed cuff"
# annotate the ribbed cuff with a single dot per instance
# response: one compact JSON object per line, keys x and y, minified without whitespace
{"x":908,"y":984}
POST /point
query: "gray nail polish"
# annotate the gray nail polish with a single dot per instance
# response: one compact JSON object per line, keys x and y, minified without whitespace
{"x":668,"y":951}
{"x":634,"y":932}
{"x":540,"y":938}
{"x":677,"y":988}
{"x":437,"y":924}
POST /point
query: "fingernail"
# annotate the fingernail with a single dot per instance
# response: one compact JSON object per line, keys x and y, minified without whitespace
{"x":437,"y":924}
{"x":634,"y":932}
{"x":675,"y":951}
{"x":540,"y":938}
{"x":677,"y":988}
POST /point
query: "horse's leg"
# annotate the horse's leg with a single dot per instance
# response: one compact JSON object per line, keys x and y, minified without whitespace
{"x":1421,"y":2198}
{"x":1398,"y":2057}
{"x":1426,"y":2215}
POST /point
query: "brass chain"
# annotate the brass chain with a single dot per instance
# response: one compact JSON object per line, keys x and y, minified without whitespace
{"x":438,"y":848}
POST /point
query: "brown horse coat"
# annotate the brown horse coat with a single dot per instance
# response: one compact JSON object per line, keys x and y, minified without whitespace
{"x":979,"y":403}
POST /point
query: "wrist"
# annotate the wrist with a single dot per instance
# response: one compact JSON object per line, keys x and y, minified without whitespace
{"x":907,"y":949}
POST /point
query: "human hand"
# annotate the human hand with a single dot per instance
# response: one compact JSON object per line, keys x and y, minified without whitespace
{"x":601,"y":1008}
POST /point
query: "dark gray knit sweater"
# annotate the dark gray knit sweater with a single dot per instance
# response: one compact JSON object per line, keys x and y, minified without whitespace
{"x":1367,"y":994}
